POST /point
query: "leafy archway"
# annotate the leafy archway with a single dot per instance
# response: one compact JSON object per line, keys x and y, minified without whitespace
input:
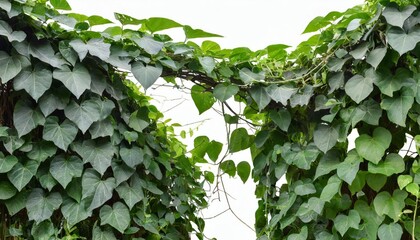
{"x":85,"y":154}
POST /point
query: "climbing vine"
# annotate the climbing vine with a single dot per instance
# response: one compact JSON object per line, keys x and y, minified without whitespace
{"x":85,"y":155}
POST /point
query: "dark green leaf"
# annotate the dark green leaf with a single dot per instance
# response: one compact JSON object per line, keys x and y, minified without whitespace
{"x":401,"y":41}
{"x":60,"y":134}
{"x":149,"y":45}
{"x":16,"y":203}
{"x":342,"y":222}
{"x":42,"y":150}
{"x":132,"y":156}
{"x":40,"y":206}
{"x":60,"y":4}
{"x":84,"y":114}
{"x":397,"y":107}
{"x":95,"y":46}
{"x":130,"y":194}
{"x":121,"y":171}
{"x":20,"y":175}
{"x":369,"y":111}
{"x":7,"y":162}
{"x":331,"y":189}
{"x":281,"y":93}
{"x":77,"y":80}
{"x":74,"y":212}
{"x":203,"y":100}
{"x":239,"y":140}
{"x":348,"y":169}
{"x":260,"y":96}
{"x":301,"y":158}
{"x":7,"y":31}
{"x":25,"y":118}
{"x":207,"y":63}
{"x":329,"y":162}
{"x":302,"y":97}
{"x":376,"y":181}
{"x":228,"y":167}
{"x":43,"y":230}
{"x":94,"y":186}
{"x":360,"y":52}
{"x":44,"y":52}
{"x":244,"y":169}
{"x":118,"y":216}
{"x":10,"y":66}
{"x":359,"y":87}
{"x":335,"y":81}
{"x":65,"y":169}
{"x":50,"y":102}
{"x":373,"y":148}
{"x":247,"y":76}
{"x":395,"y":17}
{"x":139,"y":120}
{"x":376,"y":56}
{"x":99,"y":154}
{"x":102,"y":128}
{"x":146,"y":75}
{"x":213,"y":150}
{"x":325,"y":137}
{"x":35,"y":82}
{"x":7,"y":190}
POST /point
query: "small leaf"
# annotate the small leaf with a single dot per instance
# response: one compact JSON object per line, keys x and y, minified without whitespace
{"x":95,"y":20}
{"x":281,"y":93}
{"x":146,"y":75}
{"x":342,"y":222}
{"x":223,"y":92}
{"x":127,"y":20}
{"x":392,"y":164}
{"x":60,"y":4}
{"x":239,"y":140}
{"x":348,"y":169}
{"x":65,"y":169}
{"x":331,"y":189}
{"x":40,"y":206}
{"x":373,"y":148}
{"x":60,"y":134}
{"x":156,"y":24}
{"x":118,"y":216}
{"x":149,"y":45}
{"x":213,"y":150}
{"x":228,"y":167}
{"x":404,"y":180}
{"x":260,"y":96}
{"x":325,"y":137}
{"x":244,"y":169}
{"x":203,"y":99}
{"x":77,"y":80}
{"x":197,"y":33}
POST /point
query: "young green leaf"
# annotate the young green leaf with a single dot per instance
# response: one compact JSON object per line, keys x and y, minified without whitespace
{"x":228,"y":167}
{"x":243,"y":169}
{"x":392,"y":231}
{"x":60,"y":4}
{"x":392,"y":206}
{"x":191,"y":33}
{"x":156,"y":24}
{"x":373,"y":148}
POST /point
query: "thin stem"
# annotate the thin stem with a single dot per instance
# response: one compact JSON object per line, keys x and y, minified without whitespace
{"x":413,"y":236}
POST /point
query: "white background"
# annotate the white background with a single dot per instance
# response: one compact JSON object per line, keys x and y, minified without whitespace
{"x":243,"y":23}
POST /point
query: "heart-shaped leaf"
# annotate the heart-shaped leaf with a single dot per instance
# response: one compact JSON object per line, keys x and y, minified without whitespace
{"x":392,"y":164}
{"x":75,"y":212}
{"x":99,"y":154}
{"x":397,"y":107}
{"x":281,"y":93}
{"x":44,"y":52}
{"x":20,"y":175}
{"x":7,"y":31}
{"x":95,"y":46}
{"x":369,"y":111}
{"x":260,"y":96}
{"x":359,"y":87}
{"x":396,"y":17}
{"x":130,"y":194}
{"x":25,"y":118}
{"x":118,"y":216}
{"x":392,"y":206}
{"x":60,"y":134}
{"x":149,"y":45}
{"x":93,"y":186}
{"x":132,"y":156}
{"x":84,"y":114}
{"x":203,"y":99}
{"x":65,"y":169}
{"x":77,"y":80}
{"x":392,"y":231}
{"x":146,"y":75}
{"x":41,"y":206}
{"x":342,"y":222}
{"x":401,"y":41}
{"x":373,"y":148}
{"x":348,"y":169}
{"x":35,"y":82}
{"x":7,"y":163}
{"x":281,"y":118}
{"x":247,"y":76}
{"x":7,"y":190}
{"x":223,"y":92}
{"x":10,"y":66}
{"x":325,"y":137}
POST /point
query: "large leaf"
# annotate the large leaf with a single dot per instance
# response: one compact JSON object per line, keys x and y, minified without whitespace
{"x":25,"y":119}
{"x":301,"y":158}
{"x":392,"y":164}
{"x":388,"y":84}
{"x":60,"y":134}
{"x":329,"y":162}
{"x":146,"y":75}
{"x":35,"y":82}
{"x":401,"y":41}
{"x":10,"y":66}
{"x":396,"y":17}
{"x":130,"y":194}
{"x":342,"y":222}
{"x":84,"y":114}
{"x":397,"y":107}
{"x":75,"y":212}
{"x":95,"y":46}
{"x":223,"y":92}
{"x":376,"y":56}
{"x":239,"y":140}
{"x":392,"y":206}
{"x":41,"y":206}
{"x":7,"y":31}
{"x":99,"y":154}
{"x":373,"y":148}
{"x":7,"y":162}
{"x":94,"y":187}
{"x":150,"y":45}
{"x":77,"y":80}
{"x":281,"y":118}
{"x":7,"y":190}
{"x":325,"y":137}
{"x":65,"y":169}
{"x":370,"y":217}
{"x":203,"y":99}
{"x":359,"y":87}
{"x":156,"y":24}
{"x":348,"y":169}
{"x":118,"y":216}
{"x":369,"y":111}
{"x":132,"y":156}
{"x":392,"y":231}
{"x":42,"y":150}
{"x":44,"y":52}
{"x":281,"y":93}
{"x":20,"y":175}
{"x":52,"y":101}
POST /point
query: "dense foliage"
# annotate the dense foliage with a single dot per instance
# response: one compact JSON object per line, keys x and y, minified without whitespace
{"x":85,"y":154}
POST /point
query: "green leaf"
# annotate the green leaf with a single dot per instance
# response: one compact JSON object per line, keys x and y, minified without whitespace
{"x":342,"y":222}
{"x":247,"y":76}
{"x":207,"y":63}
{"x":95,"y":20}
{"x":130,"y":194}
{"x":281,"y":93}
{"x":392,"y":231}
{"x":302,"y":235}
{"x":260,"y":96}
{"x":401,"y":41}
{"x":395,"y":17}
{"x":369,"y":111}
{"x":127,"y":20}
{"x":25,"y":118}
{"x":388,"y":84}
{"x":83,"y":115}
{"x":332,"y":188}
{"x":20,"y":175}
{"x":95,"y":46}
{"x":203,"y":99}
{"x":7,"y":31}
{"x":77,"y":80}
{"x":94,"y":186}
{"x":413,"y":188}
{"x":118,"y":216}
{"x":376,"y":181}
{"x":10,"y":66}
{"x":121,"y":172}
{"x":35,"y":82}
{"x":373,"y":148}
{"x":197,"y":33}
{"x":60,"y":4}
{"x":146,"y":75}
{"x":336,"y":64}
{"x":13,"y":143}
{"x":302,"y":189}
{"x":99,"y":154}
{"x":40,"y":206}
{"x":359,"y":87}
{"x":44,"y":52}
{"x":228,"y":167}
{"x":42,"y":150}
{"x":325,"y":137}
{"x":392,"y":206}
{"x":376,"y":56}
{"x":16,"y":203}
{"x":132,"y":156}
{"x":243,"y":169}
{"x":301,"y":158}
{"x":281,"y":118}
{"x":102,"y":128}
{"x":213,"y":150}
{"x":74,"y":212}
{"x":397,"y":107}
{"x":7,"y":190}
{"x":372,"y":221}
{"x":404,"y":180}
{"x":156,"y":24}
{"x":6,"y":5}
{"x":65,"y":169}
{"x":139,"y":120}
{"x":43,"y":230}
{"x":149,"y":45}
{"x":329,"y":162}
{"x":348,"y":169}
{"x":98,"y":234}
{"x":239,"y":140}
{"x":7,"y":163}
{"x":360,"y":52}
{"x":302,"y":97}
{"x":392,"y":164}
{"x":50,"y":102}
{"x":60,"y":134}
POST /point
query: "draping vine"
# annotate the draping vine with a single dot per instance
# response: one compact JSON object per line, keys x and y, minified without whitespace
{"x":84,"y":154}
